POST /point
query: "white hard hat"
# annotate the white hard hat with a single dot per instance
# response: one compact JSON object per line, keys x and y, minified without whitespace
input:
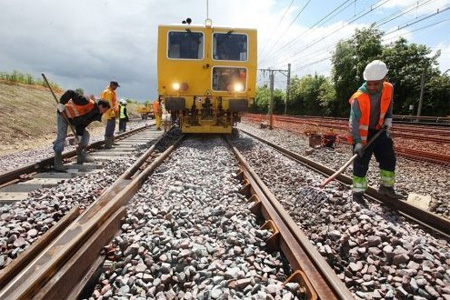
{"x":375,"y":70}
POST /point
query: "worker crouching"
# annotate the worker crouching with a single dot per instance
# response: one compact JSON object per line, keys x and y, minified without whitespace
{"x":371,"y":110}
{"x":80,"y":112}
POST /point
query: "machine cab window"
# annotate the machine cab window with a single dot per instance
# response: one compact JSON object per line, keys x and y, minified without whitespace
{"x":185,"y":45}
{"x":228,"y":79}
{"x":229,"y":46}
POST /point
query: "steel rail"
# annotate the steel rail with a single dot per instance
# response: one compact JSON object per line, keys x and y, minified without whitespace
{"x":405,"y":152}
{"x":34,"y":278}
{"x":41,"y":165}
{"x":398,"y":130}
{"x":297,"y":248}
{"x":17,"y":265}
{"x":427,"y":219}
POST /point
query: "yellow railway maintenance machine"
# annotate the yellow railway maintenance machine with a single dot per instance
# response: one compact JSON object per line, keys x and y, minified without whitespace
{"x":206,"y":74}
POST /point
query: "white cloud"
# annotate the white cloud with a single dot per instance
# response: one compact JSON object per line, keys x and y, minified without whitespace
{"x":444,"y":59}
{"x":427,"y":7}
{"x":83,"y":43}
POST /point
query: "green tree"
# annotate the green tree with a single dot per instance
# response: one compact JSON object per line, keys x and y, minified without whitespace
{"x":406,"y":63}
{"x":348,"y":62}
{"x":437,"y":96}
{"x":327,"y":97}
{"x":311,"y":95}
{"x":262,"y":100}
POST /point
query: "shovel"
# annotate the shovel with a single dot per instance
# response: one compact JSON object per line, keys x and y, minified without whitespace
{"x":342,"y":169}
{"x":63,"y":113}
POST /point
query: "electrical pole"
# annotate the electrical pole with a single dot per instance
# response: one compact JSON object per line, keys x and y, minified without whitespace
{"x":272,"y":82}
{"x":287,"y":88}
{"x":286,"y":73}
{"x":422,"y":81}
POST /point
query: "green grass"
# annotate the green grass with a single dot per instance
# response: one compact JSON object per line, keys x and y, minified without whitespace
{"x":19,"y":77}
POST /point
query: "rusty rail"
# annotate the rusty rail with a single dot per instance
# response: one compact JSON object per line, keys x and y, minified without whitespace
{"x":13,"y":175}
{"x":428,"y":219}
{"x":284,"y":122}
{"x":66,"y":260}
{"x":315,"y":275}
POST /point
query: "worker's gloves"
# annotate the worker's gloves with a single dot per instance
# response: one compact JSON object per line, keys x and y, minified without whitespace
{"x":60,"y":107}
{"x":358,"y":149}
{"x":387,"y":126}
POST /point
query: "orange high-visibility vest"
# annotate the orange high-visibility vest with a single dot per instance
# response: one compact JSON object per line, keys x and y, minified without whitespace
{"x":156,"y":107}
{"x":109,"y":95}
{"x":73,"y":110}
{"x":364,"y":106}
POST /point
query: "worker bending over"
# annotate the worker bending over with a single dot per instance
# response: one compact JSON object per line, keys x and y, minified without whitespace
{"x":157,"y":110}
{"x":371,"y":110}
{"x":109,"y":94}
{"x":80,"y":111}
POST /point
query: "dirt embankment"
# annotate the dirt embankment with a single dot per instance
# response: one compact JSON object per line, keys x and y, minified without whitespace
{"x":28,"y":117}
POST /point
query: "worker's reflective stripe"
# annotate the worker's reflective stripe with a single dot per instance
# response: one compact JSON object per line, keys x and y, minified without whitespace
{"x":359,"y":184}
{"x":364,"y":106}
{"x":363,"y":127}
{"x":73,"y":110}
{"x":387,"y":177}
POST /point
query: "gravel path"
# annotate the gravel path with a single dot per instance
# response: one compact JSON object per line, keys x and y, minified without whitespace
{"x":376,"y":252}
{"x":189,"y":234}
{"x":22,"y":223}
{"x":21,"y":158}
{"x":411,"y":176}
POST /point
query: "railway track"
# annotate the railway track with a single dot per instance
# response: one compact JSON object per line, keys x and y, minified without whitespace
{"x":62,"y":266}
{"x":372,"y":249}
{"x":422,"y":133}
{"x":26,"y":172}
{"x":63,"y":262}
{"x":438,"y":136}
{"x":432,"y":221}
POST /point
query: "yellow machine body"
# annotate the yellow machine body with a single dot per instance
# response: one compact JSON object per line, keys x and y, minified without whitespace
{"x":206,"y":75}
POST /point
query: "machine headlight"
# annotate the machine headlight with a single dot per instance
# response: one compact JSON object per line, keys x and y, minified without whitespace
{"x":238,"y":87}
{"x":176,"y":86}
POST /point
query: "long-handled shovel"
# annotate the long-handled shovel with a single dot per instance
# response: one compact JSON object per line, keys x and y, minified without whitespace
{"x":342,"y":169}
{"x":63,"y":113}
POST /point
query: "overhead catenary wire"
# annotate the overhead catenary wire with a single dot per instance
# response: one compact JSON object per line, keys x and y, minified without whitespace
{"x":361,"y":14}
{"x":315,"y":52}
{"x":340,"y":28}
{"x":297,"y":68}
{"x":276,"y":27}
{"x":329,"y":15}
{"x":292,"y":22}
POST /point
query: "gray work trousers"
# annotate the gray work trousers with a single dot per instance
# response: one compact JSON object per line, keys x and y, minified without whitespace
{"x":110,"y":127}
{"x":61,"y":134}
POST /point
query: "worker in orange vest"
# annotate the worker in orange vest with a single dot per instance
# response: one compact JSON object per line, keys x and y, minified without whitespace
{"x":109,"y":94}
{"x":371,"y":110}
{"x":157,"y":110}
{"x":80,"y":111}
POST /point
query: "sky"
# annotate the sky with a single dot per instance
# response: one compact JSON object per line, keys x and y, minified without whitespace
{"x":85,"y":44}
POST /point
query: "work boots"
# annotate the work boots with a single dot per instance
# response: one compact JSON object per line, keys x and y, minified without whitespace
{"x":358,"y":197}
{"x":83,"y":157}
{"x":108,"y":142}
{"x":388,"y":191}
{"x":58,"y":163}
{"x":80,"y":156}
